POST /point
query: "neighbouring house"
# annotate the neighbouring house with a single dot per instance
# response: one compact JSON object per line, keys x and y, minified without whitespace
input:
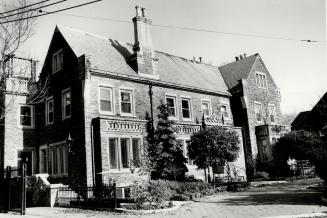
{"x":86,"y":124}
{"x":314,"y":120}
{"x":255,"y":104}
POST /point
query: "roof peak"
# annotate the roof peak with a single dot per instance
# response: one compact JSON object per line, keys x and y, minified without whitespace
{"x":237,"y":61}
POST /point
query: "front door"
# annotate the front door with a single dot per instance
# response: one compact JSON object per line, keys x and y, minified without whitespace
{"x":26,"y":157}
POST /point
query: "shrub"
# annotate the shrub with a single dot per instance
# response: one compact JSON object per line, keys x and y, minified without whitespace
{"x":157,"y":193}
{"x":261,"y":176}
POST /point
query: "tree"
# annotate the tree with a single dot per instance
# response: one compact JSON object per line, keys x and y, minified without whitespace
{"x":213,"y":146}
{"x":165,"y":152}
{"x":302,"y":145}
{"x":16,"y":26}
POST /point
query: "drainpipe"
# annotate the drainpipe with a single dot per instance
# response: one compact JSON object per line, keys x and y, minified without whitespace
{"x":151,"y":105}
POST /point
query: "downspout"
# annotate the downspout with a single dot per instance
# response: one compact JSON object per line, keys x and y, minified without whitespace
{"x":92,"y":154}
{"x":151,"y":106}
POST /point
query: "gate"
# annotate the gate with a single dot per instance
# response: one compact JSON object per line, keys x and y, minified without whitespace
{"x":13,"y":189}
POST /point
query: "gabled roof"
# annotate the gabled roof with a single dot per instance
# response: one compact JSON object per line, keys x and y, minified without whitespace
{"x":299,"y":119}
{"x":237,"y":70}
{"x":112,"y":56}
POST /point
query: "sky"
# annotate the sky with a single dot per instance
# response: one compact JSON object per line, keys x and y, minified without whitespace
{"x":297,"y":67}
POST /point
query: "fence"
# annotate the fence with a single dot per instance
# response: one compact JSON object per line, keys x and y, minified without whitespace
{"x":87,"y":196}
{"x":13,"y":189}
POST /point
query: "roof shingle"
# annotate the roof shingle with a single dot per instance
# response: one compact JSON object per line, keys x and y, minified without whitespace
{"x":112,"y":56}
{"x":237,"y":70}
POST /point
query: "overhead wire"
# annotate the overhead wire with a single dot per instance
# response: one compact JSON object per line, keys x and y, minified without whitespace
{"x":26,"y":6}
{"x":33,"y":9}
{"x":193,"y":29}
{"x":51,"y":12}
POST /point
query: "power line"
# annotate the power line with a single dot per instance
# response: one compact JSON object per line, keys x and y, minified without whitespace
{"x":51,"y":12}
{"x":195,"y":29}
{"x":33,"y":9}
{"x":27,"y":6}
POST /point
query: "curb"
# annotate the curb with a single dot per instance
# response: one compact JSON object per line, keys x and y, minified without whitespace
{"x":324,"y":200}
{"x":177,"y":204}
{"x":312,"y":215}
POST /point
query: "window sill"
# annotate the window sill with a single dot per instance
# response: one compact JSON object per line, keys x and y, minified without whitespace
{"x":56,"y":71}
{"x":172,"y":118}
{"x":26,"y":127}
{"x":127,"y":115}
{"x":187,"y":119}
{"x":65,"y":118}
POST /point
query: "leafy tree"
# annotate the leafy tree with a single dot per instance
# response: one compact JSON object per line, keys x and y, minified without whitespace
{"x":302,"y":145}
{"x":213,"y":146}
{"x":165,"y":152}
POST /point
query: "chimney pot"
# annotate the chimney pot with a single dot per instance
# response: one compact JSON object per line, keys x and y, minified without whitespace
{"x":200,"y":59}
{"x":143,"y":12}
{"x":236,"y":58}
{"x":138,"y":11}
{"x":244,"y":55}
{"x":241,"y":57}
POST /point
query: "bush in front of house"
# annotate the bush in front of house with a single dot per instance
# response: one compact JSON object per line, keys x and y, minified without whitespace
{"x":158,"y":193}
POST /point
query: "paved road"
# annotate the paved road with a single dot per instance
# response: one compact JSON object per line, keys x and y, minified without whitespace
{"x":285,"y":199}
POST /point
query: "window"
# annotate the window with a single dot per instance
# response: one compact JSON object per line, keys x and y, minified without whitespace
{"x":260,"y":79}
{"x":264,"y":149}
{"x":26,"y":116}
{"x":184,"y":143}
{"x":272,"y":114}
{"x":224,"y":111}
{"x":206,"y":108}
{"x":58,"y":159}
{"x":257,"y":111}
{"x":126,"y":103}
{"x":171,"y":103}
{"x":49,"y":111}
{"x":57,"y":61}
{"x":43,"y":160}
{"x":106,"y":103}
{"x":124,"y":153}
{"x":66,"y":103}
{"x":113,"y":153}
{"x":186,"y":108}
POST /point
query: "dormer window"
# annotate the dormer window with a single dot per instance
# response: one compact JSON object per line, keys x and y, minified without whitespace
{"x":57,"y":61}
{"x":260,"y":79}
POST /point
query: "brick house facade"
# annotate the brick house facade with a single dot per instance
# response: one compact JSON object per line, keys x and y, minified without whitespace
{"x":100,"y":92}
{"x":255,"y":104}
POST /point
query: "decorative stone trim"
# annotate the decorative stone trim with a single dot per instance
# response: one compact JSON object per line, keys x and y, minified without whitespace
{"x":186,"y":129}
{"x":124,"y":126}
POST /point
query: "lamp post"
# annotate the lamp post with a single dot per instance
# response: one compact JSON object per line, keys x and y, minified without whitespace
{"x":69,"y":142}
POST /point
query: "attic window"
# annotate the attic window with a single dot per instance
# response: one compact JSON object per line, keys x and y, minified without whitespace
{"x":57,"y":61}
{"x":260,"y":79}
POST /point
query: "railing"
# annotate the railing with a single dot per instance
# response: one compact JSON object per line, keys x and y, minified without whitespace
{"x":67,"y":196}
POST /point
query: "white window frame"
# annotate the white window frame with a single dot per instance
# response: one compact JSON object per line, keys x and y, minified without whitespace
{"x":274,"y":113}
{"x":63,"y":106}
{"x":255,"y":114}
{"x":228,"y":117}
{"x":118,"y":151}
{"x":174,"y":97}
{"x":43,"y":147}
{"x":261,"y":83}
{"x":131,"y":91}
{"x":48,"y":100}
{"x":32,"y":117}
{"x":209,"y":107}
{"x":56,"y":145}
{"x":111,"y":88}
{"x":190,"y":108}
{"x":60,"y":61}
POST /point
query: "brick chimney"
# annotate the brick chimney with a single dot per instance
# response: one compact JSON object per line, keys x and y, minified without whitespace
{"x":143,"y":59}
